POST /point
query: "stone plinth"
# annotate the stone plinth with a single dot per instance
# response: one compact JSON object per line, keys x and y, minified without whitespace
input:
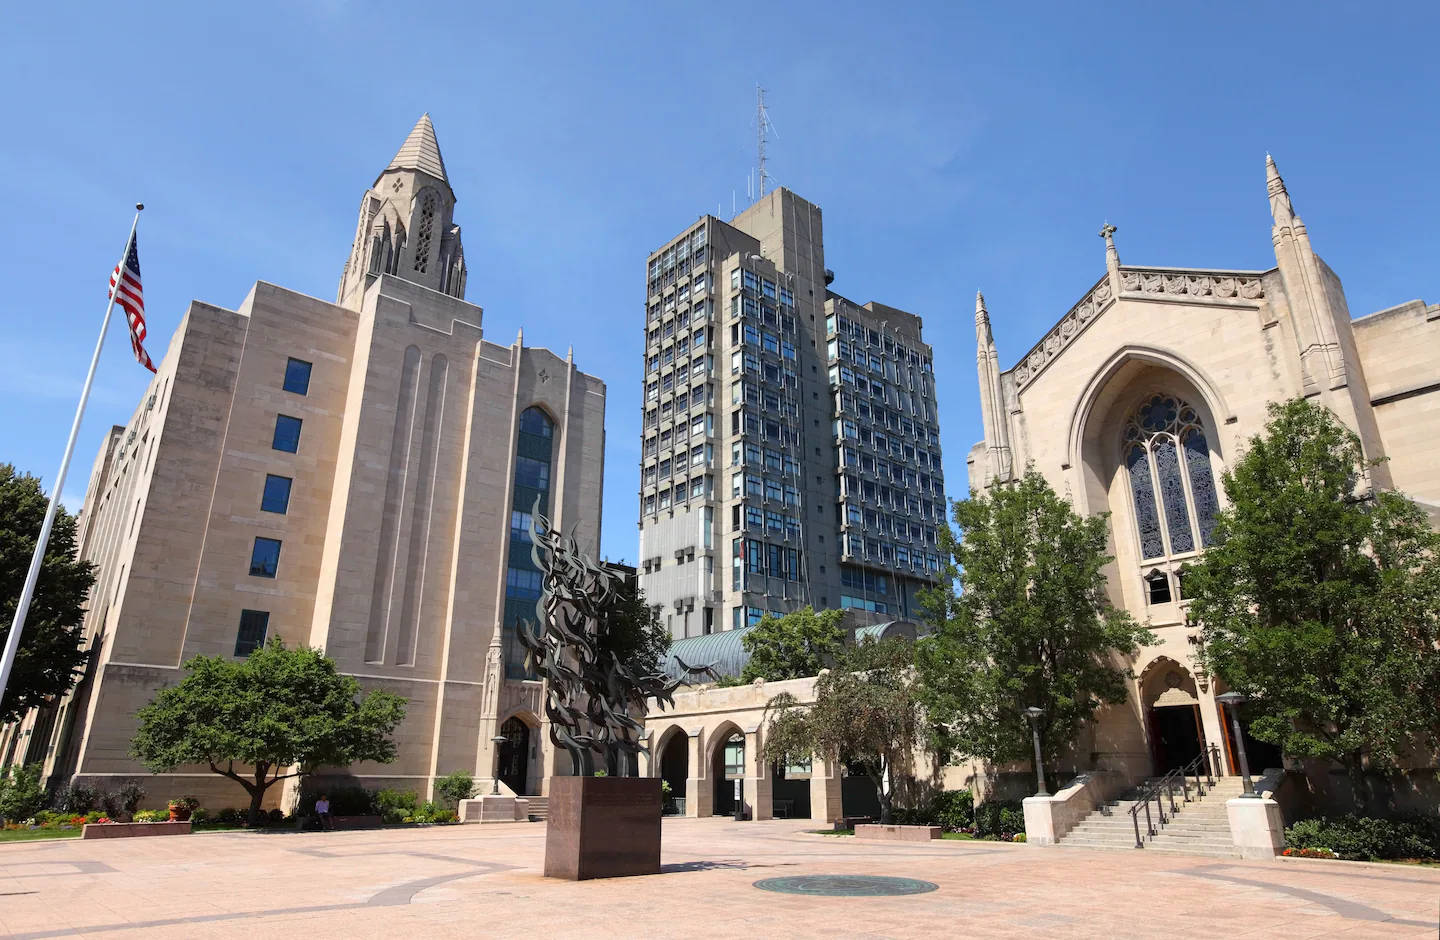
{"x":1256,"y":827}
{"x":603,"y":827}
{"x":126,"y":830}
{"x":898,"y":833}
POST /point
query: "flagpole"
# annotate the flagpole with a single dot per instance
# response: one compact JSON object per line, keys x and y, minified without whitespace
{"x":12,"y":642}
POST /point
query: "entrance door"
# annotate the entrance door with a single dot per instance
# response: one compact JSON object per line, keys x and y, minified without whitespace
{"x":1176,"y":736}
{"x":728,"y":767}
{"x":515,"y":755}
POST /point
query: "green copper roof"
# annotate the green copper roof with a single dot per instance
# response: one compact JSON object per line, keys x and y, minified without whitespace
{"x":721,"y":651}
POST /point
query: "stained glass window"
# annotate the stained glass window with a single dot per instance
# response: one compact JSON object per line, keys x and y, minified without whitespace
{"x":1180,"y":488}
{"x":1145,"y":516}
{"x":1202,"y":482}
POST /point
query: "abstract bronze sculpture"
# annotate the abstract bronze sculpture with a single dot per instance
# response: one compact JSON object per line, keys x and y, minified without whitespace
{"x":591,"y":695}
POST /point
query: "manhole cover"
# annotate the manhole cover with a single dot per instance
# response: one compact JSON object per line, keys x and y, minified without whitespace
{"x":846,"y":886}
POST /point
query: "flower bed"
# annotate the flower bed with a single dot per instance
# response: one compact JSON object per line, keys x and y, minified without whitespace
{"x":112,"y":830}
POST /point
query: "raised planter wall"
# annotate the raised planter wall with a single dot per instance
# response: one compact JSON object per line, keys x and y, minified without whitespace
{"x":898,"y":833}
{"x":126,"y":830}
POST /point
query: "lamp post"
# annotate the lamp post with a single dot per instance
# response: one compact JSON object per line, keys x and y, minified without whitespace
{"x":498,"y":740}
{"x":1034,"y":713}
{"x":1233,"y":700}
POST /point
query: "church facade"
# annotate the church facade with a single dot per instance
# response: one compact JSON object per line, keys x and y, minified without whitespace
{"x":355,"y":476}
{"x":1136,"y":401}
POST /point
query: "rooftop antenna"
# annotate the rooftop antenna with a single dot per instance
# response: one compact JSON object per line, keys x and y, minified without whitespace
{"x":763,"y":127}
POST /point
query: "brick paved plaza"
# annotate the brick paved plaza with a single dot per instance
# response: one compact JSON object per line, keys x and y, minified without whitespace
{"x":485,"y":881}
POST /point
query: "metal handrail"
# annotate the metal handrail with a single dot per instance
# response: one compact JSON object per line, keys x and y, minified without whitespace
{"x":1165,"y":787}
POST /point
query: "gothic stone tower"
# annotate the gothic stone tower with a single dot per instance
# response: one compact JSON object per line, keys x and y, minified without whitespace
{"x":406,"y":225}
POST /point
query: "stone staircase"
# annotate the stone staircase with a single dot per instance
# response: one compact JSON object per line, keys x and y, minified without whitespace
{"x":1200,"y":827}
{"x":539,"y":807}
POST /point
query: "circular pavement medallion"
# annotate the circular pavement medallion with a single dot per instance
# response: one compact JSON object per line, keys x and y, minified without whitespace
{"x":846,"y":886}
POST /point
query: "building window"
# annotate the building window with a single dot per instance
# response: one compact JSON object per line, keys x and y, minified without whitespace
{"x":276,"y":497}
{"x":534,"y":441}
{"x":1167,"y":458}
{"x":297,"y":376}
{"x":287,"y":434}
{"x":253,"y":626}
{"x":264,"y":557}
{"x":1157,"y":587}
{"x":735,"y":756}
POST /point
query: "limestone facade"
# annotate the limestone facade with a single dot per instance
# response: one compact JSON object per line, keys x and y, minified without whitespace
{"x":353,"y":476}
{"x":1142,"y":394}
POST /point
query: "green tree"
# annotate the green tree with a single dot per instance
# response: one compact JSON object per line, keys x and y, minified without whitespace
{"x":796,"y":645}
{"x":1030,"y":626}
{"x":50,"y":659}
{"x":866,"y":712}
{"x":1321,"y":601}
{"x":279,"y":709}
{"x":634,"y":633}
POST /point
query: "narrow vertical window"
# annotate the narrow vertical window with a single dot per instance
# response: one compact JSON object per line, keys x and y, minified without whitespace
{"x":265,"y":557}
{"x":276,"y":497}
{"x":254,"y":624}
{"x":287,"y":434}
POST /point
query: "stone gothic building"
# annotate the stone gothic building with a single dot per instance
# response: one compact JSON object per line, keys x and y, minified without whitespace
{"x":356,"y":476}
{"x":1146,"y":389}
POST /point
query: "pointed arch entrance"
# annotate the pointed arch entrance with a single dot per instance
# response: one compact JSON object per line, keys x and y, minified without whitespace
{"x":675,"y":768}
{"x":727,"y":765}
{"x":514,"y":757}
{"x":1172,"y":715}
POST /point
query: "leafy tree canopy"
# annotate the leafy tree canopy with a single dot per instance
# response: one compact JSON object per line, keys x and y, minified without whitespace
{"x":866,"y":712}
{"x":796,"y":645}
{"x":1030,"y":626}
{"x":50,"y":658}
{"x":634,"y":633}
{"x":1320,"y":601}
{"x":278,"y":713}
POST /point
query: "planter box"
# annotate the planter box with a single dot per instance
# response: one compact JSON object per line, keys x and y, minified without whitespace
{"x":603,"y":827}
{"x":898,"y":833}
{"x":126,"y":830}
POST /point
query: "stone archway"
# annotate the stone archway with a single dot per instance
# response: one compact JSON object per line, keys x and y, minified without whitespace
{"x":673,"y":764}
{"x":727,"y":766}
{"x":1174,"y":723}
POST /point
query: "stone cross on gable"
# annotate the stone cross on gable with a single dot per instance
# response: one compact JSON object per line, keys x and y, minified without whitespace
{"x":1107,"y":230}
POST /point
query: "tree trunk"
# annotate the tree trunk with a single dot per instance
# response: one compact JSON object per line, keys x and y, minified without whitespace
{"x":882,"y":787}
{"x":257,"y":794}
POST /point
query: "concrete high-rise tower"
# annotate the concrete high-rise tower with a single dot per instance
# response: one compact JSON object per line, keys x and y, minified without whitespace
{"x":790,"y":449}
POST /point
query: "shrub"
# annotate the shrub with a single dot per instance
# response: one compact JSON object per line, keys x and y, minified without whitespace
{"x":120,"y":804}
{"x":456,"y":787}
{"x":274,"y":817}
{"x":999,"y":817}
{"x":1364,"y":837}
{"x":1018,"y":837}
{"x":75,"y":799}
{"x":953,"y":810}
{"x":20,"y":793}
{"x":199,"y":815}
{"x":396,"y":805}
{"x":231,"y":816}
{"x":152,"y":815}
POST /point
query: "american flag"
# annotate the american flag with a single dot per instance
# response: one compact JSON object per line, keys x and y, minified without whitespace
{"x":132,"y":299}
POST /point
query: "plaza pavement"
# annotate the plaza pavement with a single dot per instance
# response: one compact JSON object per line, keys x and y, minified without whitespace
{"x":485,"y":881}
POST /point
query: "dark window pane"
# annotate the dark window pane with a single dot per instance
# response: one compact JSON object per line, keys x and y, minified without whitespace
{"x":253,"y":626}
{"x":265,"y":558}
{"x":1146,"y":518}
{"x":297,"y":376}
{"x":532,"y":473}
{"x":287,"y":434}
{"x":1172,"y":488}
{"x":1157,"y":587}
{"x":536,"y":421}
{"x":277,"y":494}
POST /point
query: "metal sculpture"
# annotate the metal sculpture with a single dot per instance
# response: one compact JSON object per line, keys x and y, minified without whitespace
{"x":590,"y":694}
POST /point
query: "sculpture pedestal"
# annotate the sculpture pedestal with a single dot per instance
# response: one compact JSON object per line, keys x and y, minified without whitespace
{"x":602,"y":827}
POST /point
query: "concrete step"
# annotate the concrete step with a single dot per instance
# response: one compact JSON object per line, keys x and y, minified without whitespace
{"x":539,"y":807}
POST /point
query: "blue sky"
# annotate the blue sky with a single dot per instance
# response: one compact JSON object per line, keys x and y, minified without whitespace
{"x":952,"y":146}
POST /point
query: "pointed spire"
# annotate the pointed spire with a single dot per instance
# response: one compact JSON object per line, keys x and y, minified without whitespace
{"x":982,"y":323}
{"x":570,"y":354}
{"x":1280,"y":208}
{"x":981,"y":314}
{"x":1112,"y":257}
{"x":421,"y":151}
{"x":520,"y":337}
